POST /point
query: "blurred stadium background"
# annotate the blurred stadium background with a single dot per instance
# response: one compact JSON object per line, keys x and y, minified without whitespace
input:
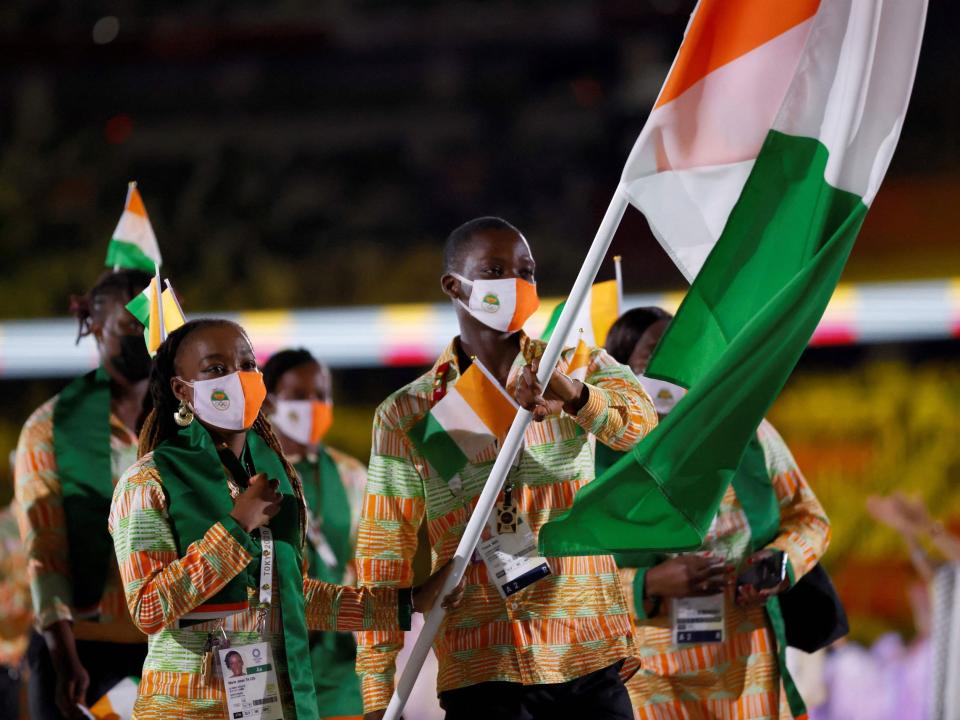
{"x":302,"y":156}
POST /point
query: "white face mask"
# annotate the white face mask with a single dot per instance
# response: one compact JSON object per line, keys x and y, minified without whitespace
{"x":502,"y":304}
{"x":665,"y":395}
{"x":231,"y":402}
{"x":303,"y":421}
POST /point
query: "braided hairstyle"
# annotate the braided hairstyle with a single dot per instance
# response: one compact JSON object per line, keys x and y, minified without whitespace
{"x":119,"y":284}
{"x":160,"y":404}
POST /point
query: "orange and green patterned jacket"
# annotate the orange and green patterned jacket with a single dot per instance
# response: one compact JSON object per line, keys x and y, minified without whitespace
{"x":739,"y":677}
{"x":571,"y":623}
{"x":15,"y":615}
{"x":43,"y":528}
{"x":162,"y":586}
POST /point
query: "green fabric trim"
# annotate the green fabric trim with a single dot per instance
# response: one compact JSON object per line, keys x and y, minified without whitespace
{"x":798,"y":707}
{"x":334,"y":659}
{"x":639,"y":585}
{"x":328,"y":502}
{"x":756,"y":495}
{"x":791,"y":572}
{"x":81,"y":446}
{"x":195,"y":484}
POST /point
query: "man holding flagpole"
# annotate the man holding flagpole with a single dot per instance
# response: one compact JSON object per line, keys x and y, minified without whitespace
{"x":535,"y":637}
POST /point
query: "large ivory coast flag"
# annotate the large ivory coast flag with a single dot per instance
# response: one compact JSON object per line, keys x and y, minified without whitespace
{"x":595,"y":318}
{"x":475,"y":412}
{"x":134,"y":245}
{"x":755,"y":170}
{"x":159,"y":313}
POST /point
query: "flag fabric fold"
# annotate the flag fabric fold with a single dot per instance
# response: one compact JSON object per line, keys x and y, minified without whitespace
{"x":755,"y":170}
{"x":475,"y":413}
{"x":595,"y":317}
{"x":134,"y":245}
{"x":159,"y":313}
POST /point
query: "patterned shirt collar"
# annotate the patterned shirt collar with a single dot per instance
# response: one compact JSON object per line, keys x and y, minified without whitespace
{"x":529,"y":349}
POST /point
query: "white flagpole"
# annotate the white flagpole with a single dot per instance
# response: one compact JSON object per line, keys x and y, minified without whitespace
{"x":508,"y":451}
{"x":159,"y":293}
{"x":619,"y":276}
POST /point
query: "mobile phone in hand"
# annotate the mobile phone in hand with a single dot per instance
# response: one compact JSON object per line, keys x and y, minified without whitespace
{"x":766,"y":573}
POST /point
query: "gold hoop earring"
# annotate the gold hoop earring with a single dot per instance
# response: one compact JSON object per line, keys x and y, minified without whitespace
{"x":184,"y":415}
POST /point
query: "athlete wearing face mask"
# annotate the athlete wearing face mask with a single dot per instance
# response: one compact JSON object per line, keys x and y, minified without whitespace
{"x":514,"y":649}
{"x":71,"y":452}
{"x":300,"y":404}
{"x":500,"y":303}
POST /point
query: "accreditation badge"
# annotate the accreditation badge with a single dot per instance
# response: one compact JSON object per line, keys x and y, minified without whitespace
{"x":511,"y":558}
{"x":697,"y":620}
{"x":250,"y":681}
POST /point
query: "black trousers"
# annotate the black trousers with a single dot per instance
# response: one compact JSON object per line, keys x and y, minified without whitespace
{"x":9,"y":692}
{"x":106,"y":663}
{"x":601,"y":695}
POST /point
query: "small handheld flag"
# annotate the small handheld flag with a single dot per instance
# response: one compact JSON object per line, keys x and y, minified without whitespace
{"x":597,"y":315}
{"x":473,"y":414}
{"x":577,"y":369}
{"x":159,"y":313}
{"x":134,"y":245}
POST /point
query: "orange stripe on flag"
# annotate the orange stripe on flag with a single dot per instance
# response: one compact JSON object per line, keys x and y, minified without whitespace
{"x":604,"y":309}
{"x":580,"y":359}
{"x":487,"y":399}
{"x":723,"y":30}
{"x":135,"y":203}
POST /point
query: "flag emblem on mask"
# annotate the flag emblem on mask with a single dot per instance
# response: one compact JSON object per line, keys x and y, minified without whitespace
{"x":490,"y":302}
{"x":219,"y":399}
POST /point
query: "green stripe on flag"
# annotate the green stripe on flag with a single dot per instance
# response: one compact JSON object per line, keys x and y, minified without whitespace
{"x":737,"y":336}
{"x":552,"y":322}
{"x":433,"y":442}
{"x":139,"y":307}
{"x":129,"y":256}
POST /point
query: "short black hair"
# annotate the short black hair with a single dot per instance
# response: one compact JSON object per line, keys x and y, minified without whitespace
{"x":459,"y":240}
{"x":626,"y":332}
{"x":283,"y":361}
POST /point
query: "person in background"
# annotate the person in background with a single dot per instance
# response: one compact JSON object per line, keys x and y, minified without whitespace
{"x":16,"y":617}
{"x":556,"y":647}
{"x":190,"y":523}
{"x":740,"y":674}
{"x":71,"y":451}
{"x":300,"y":405}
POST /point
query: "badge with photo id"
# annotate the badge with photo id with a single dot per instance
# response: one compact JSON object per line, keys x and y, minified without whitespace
{"x":697,"y":620}
{"x":511,"y":558}
{"x":250,"y":682}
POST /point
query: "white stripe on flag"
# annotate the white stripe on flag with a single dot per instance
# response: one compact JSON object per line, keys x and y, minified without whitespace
{"x":856,"y":47}
{"x":462,"y":424}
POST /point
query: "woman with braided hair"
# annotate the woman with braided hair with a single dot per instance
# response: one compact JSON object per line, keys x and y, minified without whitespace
{"x":72,"y":450}
{"x":208,"y":528}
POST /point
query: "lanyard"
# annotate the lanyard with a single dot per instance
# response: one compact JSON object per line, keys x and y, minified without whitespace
{"x":266,"y":578}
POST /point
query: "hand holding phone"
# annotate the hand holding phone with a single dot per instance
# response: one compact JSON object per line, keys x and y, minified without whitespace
{"x":765,"y":573}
